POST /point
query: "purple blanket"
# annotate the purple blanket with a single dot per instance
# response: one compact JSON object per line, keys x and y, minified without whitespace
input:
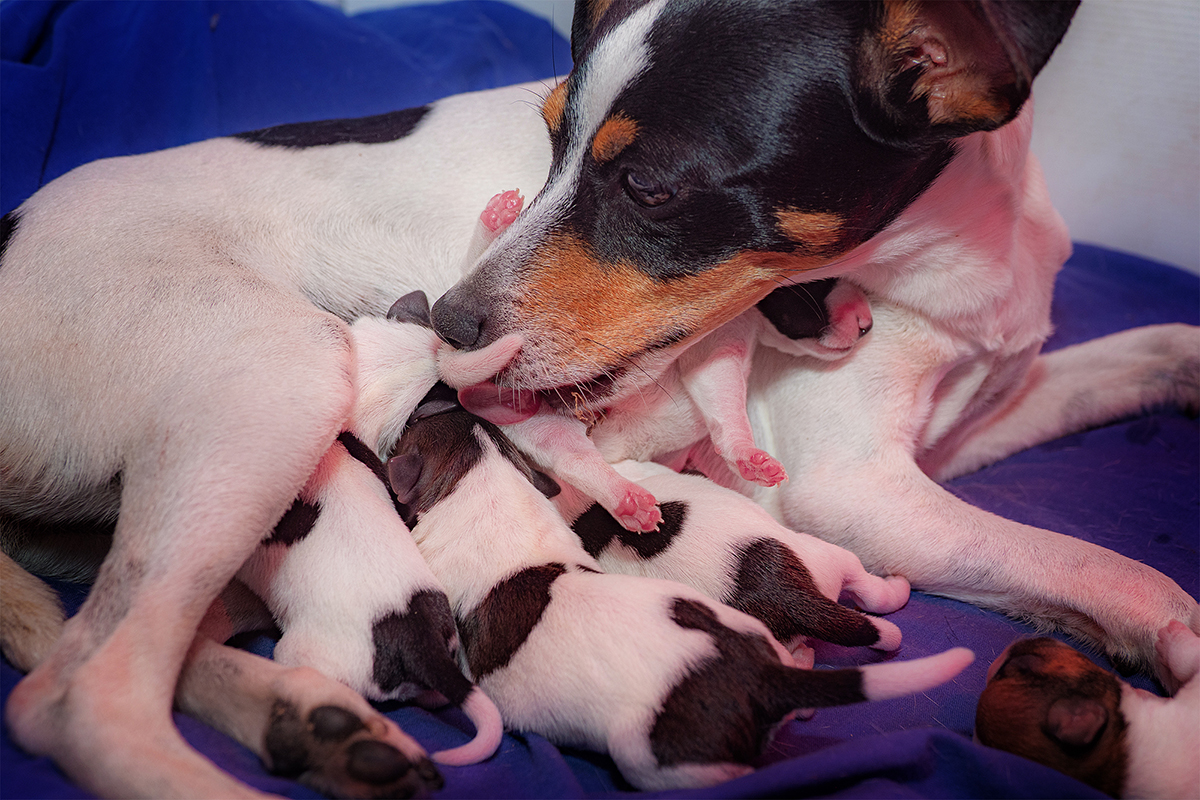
{"x":85,"y":80}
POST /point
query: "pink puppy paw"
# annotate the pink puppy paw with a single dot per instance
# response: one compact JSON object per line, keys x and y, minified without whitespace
{"x":638,"y":511}
{"x":761,"y":468}
{"x":501,"y":210}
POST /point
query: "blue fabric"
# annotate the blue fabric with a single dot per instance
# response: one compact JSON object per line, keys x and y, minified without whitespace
{"x":80,"y":81}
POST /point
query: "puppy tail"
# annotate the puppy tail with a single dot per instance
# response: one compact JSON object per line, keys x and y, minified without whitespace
{"x":898,"y":678}
{"x":489,"y":729}
{"x":822,"y":688}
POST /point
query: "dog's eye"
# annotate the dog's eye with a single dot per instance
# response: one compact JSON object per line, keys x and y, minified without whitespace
{"x":647,"y":192}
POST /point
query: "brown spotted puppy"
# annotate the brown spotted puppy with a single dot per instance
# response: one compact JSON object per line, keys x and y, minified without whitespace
{"x":1050,"y":703}
{"x":680,"y":690}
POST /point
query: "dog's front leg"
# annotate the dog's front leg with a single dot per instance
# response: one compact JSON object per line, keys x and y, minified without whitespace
{"x":899,"y":521}
{"x":1079,"y":387}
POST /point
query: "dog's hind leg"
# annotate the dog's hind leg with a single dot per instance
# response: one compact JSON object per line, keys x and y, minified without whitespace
{"x":1079,"y":387}
{"x":210,"y":454}
{"x":31,"y":616}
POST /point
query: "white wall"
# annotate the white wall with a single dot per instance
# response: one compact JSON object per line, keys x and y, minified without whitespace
{"x":1117,"y":126}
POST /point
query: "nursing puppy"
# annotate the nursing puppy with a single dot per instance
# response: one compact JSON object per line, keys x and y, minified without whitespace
{"x":887,"y":142}
{"x":1051,"y":704}
{"x":715,"y":540}
{"x":679,"y":690}
{"x":341,"y":574}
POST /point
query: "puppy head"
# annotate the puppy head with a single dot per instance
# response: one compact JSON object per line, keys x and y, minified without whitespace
{"x":703,"y":151}
{"x":1049,"y":703}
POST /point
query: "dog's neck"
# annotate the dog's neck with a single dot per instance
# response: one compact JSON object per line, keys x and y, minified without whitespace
{"x":974,"y":254}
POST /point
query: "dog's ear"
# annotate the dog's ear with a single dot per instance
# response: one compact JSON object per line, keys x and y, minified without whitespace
{"x":412,"y":307}
{"x":936,"y":69}
{"x":587,"y":16}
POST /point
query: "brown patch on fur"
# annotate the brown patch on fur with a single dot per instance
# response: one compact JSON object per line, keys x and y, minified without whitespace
{"x":1051,"y":704}
{"x":813,"y":231}
{"x":617,"y":133}
{"x":963,"y":66}
{"x":554,"y":106}
{"x":572,"y":293}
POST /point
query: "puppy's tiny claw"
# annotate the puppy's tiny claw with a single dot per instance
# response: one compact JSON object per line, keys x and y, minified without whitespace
{"x":501,"y":210}
{"x":638,"y":511}
{"x":759,"y":467}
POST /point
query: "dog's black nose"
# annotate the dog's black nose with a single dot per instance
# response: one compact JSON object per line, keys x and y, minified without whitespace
{"x":459,"y":319}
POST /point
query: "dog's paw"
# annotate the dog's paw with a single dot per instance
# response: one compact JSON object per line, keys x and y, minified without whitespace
{"x":759,"y":467}
{"x":501,"y":210}
{"x":638,"y":511}
{"x":337,"y":753}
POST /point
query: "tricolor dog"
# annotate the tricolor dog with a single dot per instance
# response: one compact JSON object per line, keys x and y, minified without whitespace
{"x":175,"y":355}
{"x":1050,"y":703}
{"x":681,"y":691}
{"x":704,"y":153}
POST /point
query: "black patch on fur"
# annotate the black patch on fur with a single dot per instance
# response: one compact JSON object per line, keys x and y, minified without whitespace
{"x":596,"y":528}
{"x":285,"y":740}
{"x":376,"y":129}
{"x":8,"y":226}
{"x":495,"y":629}
{"x":296,"y":523}
{"x":722,"y":711}
{"x":774,"y":585}
{"x":448,"y":449}
{"x":355,"y":447}
{"x":414,"y":647}
{"x":798,"y":311}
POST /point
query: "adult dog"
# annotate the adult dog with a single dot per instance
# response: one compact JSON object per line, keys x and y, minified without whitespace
{"x":887,"y":143}
{"x":174,"y":354}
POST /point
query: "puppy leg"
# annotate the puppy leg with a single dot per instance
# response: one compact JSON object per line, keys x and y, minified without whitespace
{"x":1079,"y":387}
{"x":561,"y":445}
{"x":213,"y":457}
{"x":714,"y":373}
{"x":849,"y":317}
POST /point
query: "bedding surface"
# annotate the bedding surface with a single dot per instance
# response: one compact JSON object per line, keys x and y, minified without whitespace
{"x":85,"y":80}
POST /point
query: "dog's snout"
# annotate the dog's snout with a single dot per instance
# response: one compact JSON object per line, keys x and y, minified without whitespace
{"x":460,"y":318}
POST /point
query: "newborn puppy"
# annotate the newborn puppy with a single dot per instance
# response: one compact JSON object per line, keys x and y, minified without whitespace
{"x":341,"y":575}
{"x":727,"y":546}
{"x":1051,"y":704}
{"x":679,"y":690}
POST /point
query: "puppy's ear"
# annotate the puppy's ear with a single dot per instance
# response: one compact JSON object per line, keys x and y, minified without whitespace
{"x":1075,"y":722}
{"x":403,"y":473}
{"x":412,"y":307}
{"x":940,"y":69}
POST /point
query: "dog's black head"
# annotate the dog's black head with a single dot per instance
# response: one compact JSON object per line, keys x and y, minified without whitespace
{"x":706,"y":149}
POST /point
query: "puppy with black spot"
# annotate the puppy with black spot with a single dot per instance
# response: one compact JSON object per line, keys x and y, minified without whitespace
{"x":1049,"y":703}
{"x":679,"y":690}
{"x":341,"y":575}
{"x":728,"y":547}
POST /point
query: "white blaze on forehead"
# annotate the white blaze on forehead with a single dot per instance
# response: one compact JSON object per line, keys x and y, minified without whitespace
{"x":614,"y":63}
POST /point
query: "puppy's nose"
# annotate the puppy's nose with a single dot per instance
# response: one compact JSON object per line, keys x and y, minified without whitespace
{"x":459,"y":318}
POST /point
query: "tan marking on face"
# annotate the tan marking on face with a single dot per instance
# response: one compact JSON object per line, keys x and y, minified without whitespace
{"x":614,"y":136}
{"x":603,"y":314}
{"x":554,"y":106}
{"x":814,"y":231}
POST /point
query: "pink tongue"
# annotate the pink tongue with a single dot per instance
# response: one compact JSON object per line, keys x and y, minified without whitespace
{"x":498,"y":405}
